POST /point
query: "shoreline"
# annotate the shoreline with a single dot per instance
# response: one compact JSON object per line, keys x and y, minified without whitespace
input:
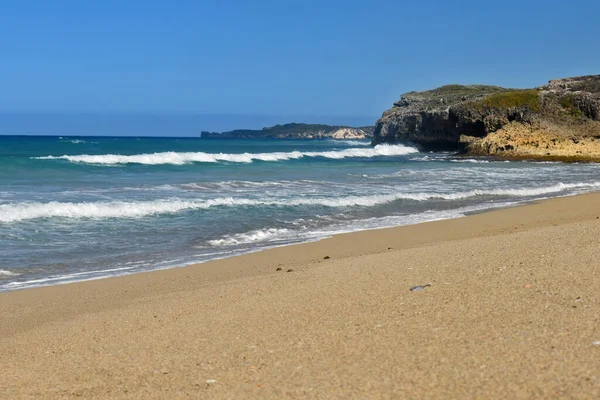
{"x":275,"y":246}
{"x":512,"y":312}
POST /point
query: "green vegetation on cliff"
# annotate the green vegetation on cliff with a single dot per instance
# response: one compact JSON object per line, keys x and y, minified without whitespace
{"x":451,"y":92}
{"x":512,"y":98}
{"x":447,"y":95}
{"x":569,"y":104}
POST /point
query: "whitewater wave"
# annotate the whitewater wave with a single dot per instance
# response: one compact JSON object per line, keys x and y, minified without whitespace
{"x":477,"y":161}
{"x":255,"y":236}
{"x":74,"y":277}
{"x":177,"y":158}
{"x":470,"y":160}
{"x":349,"y":142}
{"x":7,"y":273}
{"x":10,"y":213}
{"x":237,"y":185}
{"x":278,"y":236}
{"x":385,"y":176}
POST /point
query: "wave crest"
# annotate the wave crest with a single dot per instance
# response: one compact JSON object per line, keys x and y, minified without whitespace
{"x":10,"y":213}
{"x":255,"y":236}
{"x":177,"y":158}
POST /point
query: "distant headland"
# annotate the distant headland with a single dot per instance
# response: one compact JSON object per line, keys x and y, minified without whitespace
{"x":559,"y":121}
{"x":295,"y":131}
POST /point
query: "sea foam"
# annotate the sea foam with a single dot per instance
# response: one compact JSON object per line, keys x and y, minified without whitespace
{"x":255,"y":236}
{"x":277,"y":236}
{"x":180,"y":158}
{"x":10,"y":213}
{"x":350,"y":142}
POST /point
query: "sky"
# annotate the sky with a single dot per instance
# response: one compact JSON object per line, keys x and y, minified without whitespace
{"x":262,"y":61}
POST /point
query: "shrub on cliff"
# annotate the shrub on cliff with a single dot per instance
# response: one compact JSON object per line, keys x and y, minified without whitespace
{"x":514,"y":98}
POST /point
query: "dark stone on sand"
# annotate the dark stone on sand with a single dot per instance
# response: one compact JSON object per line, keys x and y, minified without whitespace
{"x":278,"y":269}
{"x":326,"y":258}
{"x":419,"y":287}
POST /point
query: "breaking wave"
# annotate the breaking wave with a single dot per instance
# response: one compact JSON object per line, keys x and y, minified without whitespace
{"x":351,"y":142}
{"x":7,"y":273}
{"x":256,"y":236}
{"x":177,"y":158}
{"x":10,"y":213}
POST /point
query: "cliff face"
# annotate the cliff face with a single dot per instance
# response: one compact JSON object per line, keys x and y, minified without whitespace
{"x":295,"y":131}
{"x":429,"y":119}
{"x":559,"y":120}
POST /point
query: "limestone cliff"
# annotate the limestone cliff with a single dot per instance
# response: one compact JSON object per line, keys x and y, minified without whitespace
{"x":558,"y":121}
{"x":295,"y":131}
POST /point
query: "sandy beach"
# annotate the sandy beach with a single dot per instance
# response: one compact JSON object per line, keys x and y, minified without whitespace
{"x":513,"y":312}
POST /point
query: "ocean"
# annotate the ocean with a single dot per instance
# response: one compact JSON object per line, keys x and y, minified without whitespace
{"x":80,"y":208}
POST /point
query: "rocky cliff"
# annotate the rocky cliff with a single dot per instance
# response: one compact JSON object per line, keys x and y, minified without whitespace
{"x":295,"y":131}
{"x":558,"y":121}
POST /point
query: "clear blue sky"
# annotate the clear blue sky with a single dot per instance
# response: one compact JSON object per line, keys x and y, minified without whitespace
{"x":275,"y":57}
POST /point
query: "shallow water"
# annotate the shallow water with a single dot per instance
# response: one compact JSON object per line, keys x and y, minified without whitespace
{"x":83,"y":208}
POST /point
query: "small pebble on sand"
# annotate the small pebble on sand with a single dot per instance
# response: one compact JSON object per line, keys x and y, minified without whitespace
{"x":419,"y":287}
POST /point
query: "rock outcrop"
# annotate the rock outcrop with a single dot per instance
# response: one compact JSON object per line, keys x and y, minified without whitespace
{"x":558,"y":121}
{"x":295,"y":131}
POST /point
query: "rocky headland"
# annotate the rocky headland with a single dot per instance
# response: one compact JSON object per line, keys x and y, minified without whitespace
{"x":558,"y":121}
{"x":295,"y":131}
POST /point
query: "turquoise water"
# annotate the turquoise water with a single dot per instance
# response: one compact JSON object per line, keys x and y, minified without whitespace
{"x":75,"y":208}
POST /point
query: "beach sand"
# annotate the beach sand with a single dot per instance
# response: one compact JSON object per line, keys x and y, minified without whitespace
{"x":513,"y":312}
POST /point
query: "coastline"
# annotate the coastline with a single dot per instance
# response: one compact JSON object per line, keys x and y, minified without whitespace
{"x":559,"y":121}
{"x":513,"y":305}
{"x":102,"y":274}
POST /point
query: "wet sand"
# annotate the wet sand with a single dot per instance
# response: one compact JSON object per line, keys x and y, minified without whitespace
{"x":513,"y":311}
